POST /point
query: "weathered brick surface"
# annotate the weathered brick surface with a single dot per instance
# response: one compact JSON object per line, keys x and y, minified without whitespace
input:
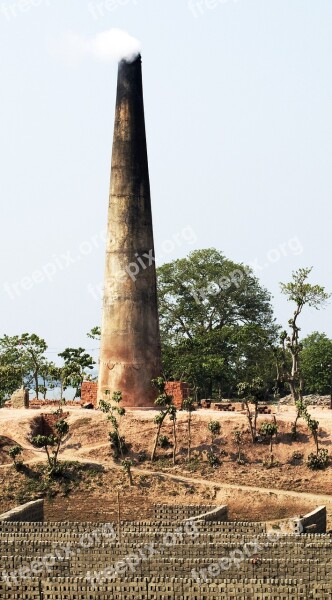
{"x":34,"y":403}
{"x":179,"y":390}
{"x":89,"y":393}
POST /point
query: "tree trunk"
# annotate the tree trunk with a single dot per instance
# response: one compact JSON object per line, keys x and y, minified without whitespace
{"x":156,"y":442}
{"x":174,"y":441}
{"x":316,"y":441}
{"x":189,"y":436}
{"x":250,"y":421}
{"x":35,"y":376}
{"x":130,"y":476}
{"x":255,"y":421}
{"x":120,"y":443}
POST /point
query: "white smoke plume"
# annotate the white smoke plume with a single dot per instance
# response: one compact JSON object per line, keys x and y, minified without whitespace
{"x":108,"y":46}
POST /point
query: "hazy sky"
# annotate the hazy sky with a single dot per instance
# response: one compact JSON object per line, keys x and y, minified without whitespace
{"x":238,"y":101}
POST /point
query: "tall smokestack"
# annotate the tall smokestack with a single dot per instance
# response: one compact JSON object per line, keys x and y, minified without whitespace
{"x":130,"y":354}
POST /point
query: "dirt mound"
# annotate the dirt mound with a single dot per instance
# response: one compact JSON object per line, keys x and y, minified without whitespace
{"x":251,"y":489}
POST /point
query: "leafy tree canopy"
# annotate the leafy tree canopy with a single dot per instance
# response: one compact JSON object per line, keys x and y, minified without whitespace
{"x":316,"y":363}
{"x":217,"y":323}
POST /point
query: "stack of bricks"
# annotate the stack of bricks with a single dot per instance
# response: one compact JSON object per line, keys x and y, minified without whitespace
{"x":89,"y":393}
{"x":34,"y":403}
{"x":182,"y":565}
{"x":179,"y":390}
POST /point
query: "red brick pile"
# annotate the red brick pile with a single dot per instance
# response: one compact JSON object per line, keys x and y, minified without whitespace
{"x":89,"y":393}
{"x":179,"y":390}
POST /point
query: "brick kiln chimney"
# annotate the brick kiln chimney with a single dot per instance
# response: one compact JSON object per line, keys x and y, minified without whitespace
{"x":130,"y":354}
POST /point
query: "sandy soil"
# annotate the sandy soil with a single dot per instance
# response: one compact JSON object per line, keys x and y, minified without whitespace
{"x":252,"y":490}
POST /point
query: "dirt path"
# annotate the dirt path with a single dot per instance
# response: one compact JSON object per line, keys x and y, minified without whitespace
{"x":73,"y":456}
{"x":320,"y":498}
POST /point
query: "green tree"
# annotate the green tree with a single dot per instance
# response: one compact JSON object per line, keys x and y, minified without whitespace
{"x":51,"y":444}
{"x":238,"y":440}
{"x":24,"y":353}
{"x":114,"y":413}
{"x":164,"y":403}
{"x":14,"y":452}
{"x":252,"y":392}
{"x":316,"y":363}
{"x":10,"y":376}
{"x":302,"y":294}
{"x":216,"y":322}
{"x":269,"y":430}
{"x":214,"y":429}
{"x":76,"y":361}
{"x":94,"y":333}
{"x":127,"y":464}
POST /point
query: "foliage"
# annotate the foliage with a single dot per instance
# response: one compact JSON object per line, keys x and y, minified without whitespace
{"x":318,"y":461}
{"x":301,"y":293}
{"x":76,"y":361}
{"x":164,"y":442}
{"x":164,"y":402}
{"x":216,"y":323}
{"x":213,"y":458}
{"x":316,"y":363}
{"x":14,"y":452}
{"x":296,"y":458}
{"x":113,"y":410}
{"x":214,"y":428}
{"x":118,"y":444}
{"x":21,"y":361}
{"x":51,"y":444}
{"x":127,"y":464}
{"x":94,"y":333}
{"x":10,"y":377}
{"x":269,"y":430}
{"x":253,"y":392}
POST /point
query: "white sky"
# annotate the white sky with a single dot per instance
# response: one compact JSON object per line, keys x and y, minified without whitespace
{"x":238,"y":112}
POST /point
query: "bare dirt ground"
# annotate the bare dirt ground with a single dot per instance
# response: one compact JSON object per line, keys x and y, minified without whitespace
{"x":252,"y":491}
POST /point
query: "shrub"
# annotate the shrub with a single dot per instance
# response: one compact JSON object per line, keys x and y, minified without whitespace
{"x":318,"y":461}
{"x":13,"y":453}
{"x":213,"y":459}
{"x":164,"y":441}
{"x":142,"y":456}
{"x":118,"y":444}
{"x":214,"y":428}
{"x":296,"y":458}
